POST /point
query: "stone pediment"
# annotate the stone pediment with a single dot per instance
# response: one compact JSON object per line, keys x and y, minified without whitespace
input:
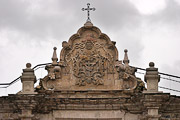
{"x":89,"y":61}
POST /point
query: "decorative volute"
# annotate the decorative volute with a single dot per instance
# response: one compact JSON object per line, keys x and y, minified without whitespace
{"x":126,"y":60}
{"x":54,"y":57}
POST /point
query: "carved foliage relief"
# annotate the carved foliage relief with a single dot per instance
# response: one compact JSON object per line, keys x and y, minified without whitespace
{"x":90,"y":61}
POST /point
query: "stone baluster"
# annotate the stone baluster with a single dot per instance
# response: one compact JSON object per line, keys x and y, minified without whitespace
{"x":28,"y":79}
{"x":152,"y":78}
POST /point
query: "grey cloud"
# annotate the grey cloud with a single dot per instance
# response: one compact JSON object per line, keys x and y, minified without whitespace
{"x":17,"y":15}
{"x":170,"y":15}
{"x":118,"y":14}
{"x":59,"y":19}
{"x":12,"y":13}
{"x":166,"y":21}
{"x":131,"y":40}
{"x":171,"y":68}
{"x":36,"y":22}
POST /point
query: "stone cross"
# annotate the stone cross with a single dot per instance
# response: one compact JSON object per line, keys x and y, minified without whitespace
{"x":88,"y":10}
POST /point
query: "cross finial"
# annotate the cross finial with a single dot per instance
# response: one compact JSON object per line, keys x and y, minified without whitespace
{"x":88,"y":10}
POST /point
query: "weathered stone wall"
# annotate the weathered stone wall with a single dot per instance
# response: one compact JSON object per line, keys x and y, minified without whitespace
{"x":49,"y":107}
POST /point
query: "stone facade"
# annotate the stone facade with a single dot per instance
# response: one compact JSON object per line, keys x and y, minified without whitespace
{"x":89,"y":82}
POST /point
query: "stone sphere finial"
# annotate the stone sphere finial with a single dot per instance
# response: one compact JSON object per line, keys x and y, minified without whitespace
{"x":125,"y":50}
{"x":55,"y":48}
{"x":28,"y":65}
{"x":151,"y":64}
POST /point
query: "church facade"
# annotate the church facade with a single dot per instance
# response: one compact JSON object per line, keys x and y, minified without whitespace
{"x":89,"y":82}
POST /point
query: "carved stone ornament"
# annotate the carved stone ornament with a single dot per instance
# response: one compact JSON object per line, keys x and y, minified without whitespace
{"x":89,"y":66}
{"x":89,"y":61}
{"x":127,"y":74}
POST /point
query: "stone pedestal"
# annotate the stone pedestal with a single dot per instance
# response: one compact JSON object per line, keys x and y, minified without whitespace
{"x":152,"y":78}
{"x":28,"y":79}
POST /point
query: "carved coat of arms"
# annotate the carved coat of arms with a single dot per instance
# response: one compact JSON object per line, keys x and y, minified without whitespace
{"x":89,"y":65}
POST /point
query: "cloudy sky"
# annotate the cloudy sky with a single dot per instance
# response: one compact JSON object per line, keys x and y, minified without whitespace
{"x":29,"y":29}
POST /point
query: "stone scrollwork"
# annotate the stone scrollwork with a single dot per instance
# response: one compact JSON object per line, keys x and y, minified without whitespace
{"x":127,"y":74}
{"x":54,"y":72}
